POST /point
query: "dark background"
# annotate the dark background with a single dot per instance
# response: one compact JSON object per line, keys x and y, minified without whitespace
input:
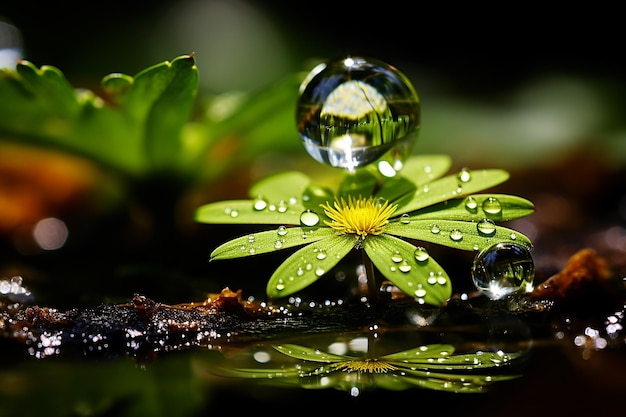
{"x":475,"y":50}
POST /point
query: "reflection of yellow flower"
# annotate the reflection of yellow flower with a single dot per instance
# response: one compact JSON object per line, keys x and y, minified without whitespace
{"x":382,"y":216}
{"x":366,"y":365}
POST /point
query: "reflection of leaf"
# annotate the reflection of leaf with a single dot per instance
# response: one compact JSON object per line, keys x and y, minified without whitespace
{"x":433,"y":367}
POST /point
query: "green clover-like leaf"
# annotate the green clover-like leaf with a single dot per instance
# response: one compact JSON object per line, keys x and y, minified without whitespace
{"x":270,"y":241}
{"x":450,"y":187}
{"x":309,"y":264}
{"x":456,"y":234}
{"x":396,"y":260}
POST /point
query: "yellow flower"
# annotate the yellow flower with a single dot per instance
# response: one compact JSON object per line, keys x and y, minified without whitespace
{"x":359,"y":216}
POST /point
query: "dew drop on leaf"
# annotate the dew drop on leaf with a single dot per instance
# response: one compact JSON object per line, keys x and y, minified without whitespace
{"x":486,"y":227}
{"x":259,"y":204}
{"x":355,"y":111}
{"x":309,"y":218}
{"x":471,"y":204}
{"x":491,"y":205}
{"x":281,"y":231}
{"x":464,"y":175}
{"x":456,"y":235}
{"x":421,"y":254}
{"x":503,"y":268}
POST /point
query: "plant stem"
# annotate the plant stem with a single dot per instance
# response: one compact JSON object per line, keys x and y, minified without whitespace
{"x":370,"y":277}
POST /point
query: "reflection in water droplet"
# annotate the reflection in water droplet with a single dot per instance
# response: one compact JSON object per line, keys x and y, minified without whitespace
{"x":491,"y":205}
{"x":421,"y":254}
{"x":486,"y":227}
{"x":456,"y":235}
{"x":281,"y":231}
{"x":503,"y":268}
{"x":354,"y":111}
{"x":404,"y":219}
{"x":434,"y":229}
{"x":309,"y":218}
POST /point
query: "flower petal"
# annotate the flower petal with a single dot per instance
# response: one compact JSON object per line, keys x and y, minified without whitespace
{"x":270,"y":241}
{"x":309,"y":264}
{"x":395,"y":259}
{"x":244,"y":212}
{"x":475,"y":207}
{"x":456,"y":234}
{"x":450,"y":187}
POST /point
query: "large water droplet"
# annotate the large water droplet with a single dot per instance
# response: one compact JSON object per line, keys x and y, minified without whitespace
{"x":503,"y":268}
{"x":355,"y":111}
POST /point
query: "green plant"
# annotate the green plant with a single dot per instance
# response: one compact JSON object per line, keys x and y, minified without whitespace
{"x":382,"y":216}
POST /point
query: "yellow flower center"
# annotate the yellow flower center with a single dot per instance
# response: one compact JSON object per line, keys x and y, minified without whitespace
{"x":373,"y":366}
{"x":359,"y":216}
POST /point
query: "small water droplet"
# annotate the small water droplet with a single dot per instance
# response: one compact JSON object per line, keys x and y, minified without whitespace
{"x":282,"y":206}
{"x":319,"y":271}
{"x":464,"y":175}
{"x":309,"y":218}
{"x":280,"y":286}
{"x":491,"y":205}
{"x":404,"y":219}
{"x":293,"y":200}
{"x":252,"y":251}
{"x":434,"y":229}
{"x":503,"y":268}
{"x":278,"y":244}
{"x":281,"y":231}
{"x":234,"y":213}
{"x":251,"y":238}
{"x":259,"y":204}
{"x":456,"y":235}
{"x":421,"y":254}
{"x":396,"y":257}
{"x":300,"y":271}
{"x":420,"y":292}
{"x":354,"y":111}
{"x":486,"y":227}
{"x":404,"y":267}
{"x":471,"y":204}
{"x":425,"y":189}
{"x":321,"y":255}
{"x":513,"y":236}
